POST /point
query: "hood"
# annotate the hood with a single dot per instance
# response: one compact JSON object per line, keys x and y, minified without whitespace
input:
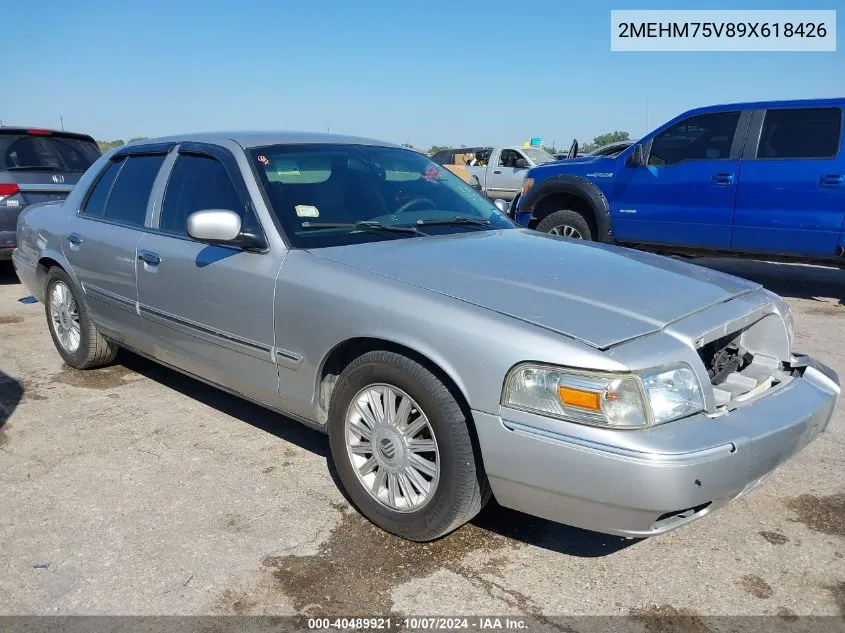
{"x":601,"y":295}
{"x":585,"y":161}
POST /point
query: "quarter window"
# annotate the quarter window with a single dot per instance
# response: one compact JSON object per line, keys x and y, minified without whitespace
{"x":702,"y":137}
{"x":96,"y":204}
{"x":197,"y":183}
{"x":801,"y":133}
{"x":130,"y":193}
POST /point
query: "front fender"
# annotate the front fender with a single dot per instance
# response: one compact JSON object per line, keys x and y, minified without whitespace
{"x":574,"y":186}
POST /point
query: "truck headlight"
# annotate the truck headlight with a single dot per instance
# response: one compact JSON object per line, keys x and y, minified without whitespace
{"x":623,"y":401}
{"x":527,"y":184}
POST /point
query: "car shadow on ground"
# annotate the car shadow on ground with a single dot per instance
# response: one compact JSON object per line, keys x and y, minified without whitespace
{"x":494,"y":518}
{"x":788,"y":280}
{"x":7,"y":274}
{"x":11,"y":392}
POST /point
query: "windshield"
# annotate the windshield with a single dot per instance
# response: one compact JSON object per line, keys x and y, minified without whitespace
{"x":54,"y":152}
{"x":320,"y":192}
{"x":538,"y":156}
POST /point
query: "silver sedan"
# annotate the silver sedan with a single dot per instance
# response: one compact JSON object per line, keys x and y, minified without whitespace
{"x":359,"y":288}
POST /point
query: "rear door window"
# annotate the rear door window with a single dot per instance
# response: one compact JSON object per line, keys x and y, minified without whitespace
{"x":197,"y":182}
{"x":95,"y":205}
{"x":702,"y":137}
{"x":130,"y":193}
{"x":801,"y":133}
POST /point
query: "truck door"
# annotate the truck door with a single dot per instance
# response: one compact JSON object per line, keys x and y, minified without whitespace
{"x":791,"y":193}
{"x":684,"y":194}
{"x":504,"y":179}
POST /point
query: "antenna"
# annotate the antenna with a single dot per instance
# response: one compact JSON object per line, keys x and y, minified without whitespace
{"x":62,"y":121}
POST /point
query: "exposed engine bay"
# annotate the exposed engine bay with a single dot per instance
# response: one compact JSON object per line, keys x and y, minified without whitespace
{"x":738,"y":374}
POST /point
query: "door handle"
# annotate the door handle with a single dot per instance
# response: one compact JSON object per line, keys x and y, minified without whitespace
{"x":74,"y":238}
{"x":831,"y":181}
{"x":722,"y":179}
{"x":148,"y":257}
{"x":497,"y":171}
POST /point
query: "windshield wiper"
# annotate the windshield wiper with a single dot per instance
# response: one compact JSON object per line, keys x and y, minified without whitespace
{"x":450,"y":221}
{"x":33,"y":168}
{"x":363,"y":224}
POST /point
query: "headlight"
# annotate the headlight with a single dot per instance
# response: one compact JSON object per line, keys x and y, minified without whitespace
{"x":602,"y":399}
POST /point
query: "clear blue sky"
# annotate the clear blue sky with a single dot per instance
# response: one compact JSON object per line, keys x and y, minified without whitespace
{"x":433,"y":71}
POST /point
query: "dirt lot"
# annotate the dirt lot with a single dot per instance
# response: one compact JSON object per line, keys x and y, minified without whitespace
{"x":134,"y":490}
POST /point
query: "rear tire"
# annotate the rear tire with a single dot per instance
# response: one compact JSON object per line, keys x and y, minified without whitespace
{"x":74,"y":334}
{"x":450,"y":489}
{"x":568,"y":223}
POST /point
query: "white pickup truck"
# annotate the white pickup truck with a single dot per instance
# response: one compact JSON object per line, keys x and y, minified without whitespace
{"x":500,"y":175}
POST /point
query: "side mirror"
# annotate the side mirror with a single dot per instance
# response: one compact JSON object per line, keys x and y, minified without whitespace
{"x":501,"y":205}
{"x":521,"y":163}
{"x":222,"y":226}
{"x":476,"y":183}
{"x":636,"y":158}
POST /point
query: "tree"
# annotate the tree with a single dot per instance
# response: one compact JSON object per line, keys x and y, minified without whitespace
{"x":437,"y":148}
{"x":137,"y":138}
{"x":605,"y":139}
{"x":551,"y":149}
{"x":107,"y":145}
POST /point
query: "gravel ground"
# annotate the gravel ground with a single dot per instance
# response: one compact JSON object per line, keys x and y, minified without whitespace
{"x":134,"y":490}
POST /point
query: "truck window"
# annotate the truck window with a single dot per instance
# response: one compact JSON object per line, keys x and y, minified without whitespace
{"x":702,"y":137}
{"x":508,"y":158}
{"x":801,"y":133}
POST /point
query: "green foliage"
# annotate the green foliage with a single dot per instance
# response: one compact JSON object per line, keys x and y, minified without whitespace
{"x":605,"y":139}
{"x":437,"y":148}
{"x":551,"y":149}
{"x":107,"y":145}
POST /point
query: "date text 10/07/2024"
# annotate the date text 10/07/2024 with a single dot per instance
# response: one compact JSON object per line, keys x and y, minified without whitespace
{"x":420,"y":623}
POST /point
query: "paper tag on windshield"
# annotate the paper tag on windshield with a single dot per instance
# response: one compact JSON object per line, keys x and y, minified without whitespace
{"x":287,"y":168}
{"x":307,"y":211}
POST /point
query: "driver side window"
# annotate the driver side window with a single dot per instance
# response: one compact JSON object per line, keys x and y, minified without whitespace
{"x":508,"y":158}
{"x":702,"y":137}
{"x":199,"y":182}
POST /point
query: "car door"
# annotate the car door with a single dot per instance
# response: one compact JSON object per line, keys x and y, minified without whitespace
{"x":791,"y":194}
{"x":505,"y":177}
{"x":101,"y":240}
{"x":209,"y":307}
{"x":685,"y":193}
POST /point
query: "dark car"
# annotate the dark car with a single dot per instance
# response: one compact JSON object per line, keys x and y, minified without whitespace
{"x":37,"y":165}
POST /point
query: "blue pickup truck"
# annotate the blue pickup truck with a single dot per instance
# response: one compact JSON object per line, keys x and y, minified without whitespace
{"x":763,"y":180}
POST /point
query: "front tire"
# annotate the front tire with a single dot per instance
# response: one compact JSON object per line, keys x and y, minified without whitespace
{"x":74,"y":334}
{"x":402,"y":448}
{"x":568,"y":223}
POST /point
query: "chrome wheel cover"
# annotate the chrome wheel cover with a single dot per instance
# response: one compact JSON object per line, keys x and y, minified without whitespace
{"x":392,"y":448}
{"x":65,"y":317}
{"x":567,"y":231}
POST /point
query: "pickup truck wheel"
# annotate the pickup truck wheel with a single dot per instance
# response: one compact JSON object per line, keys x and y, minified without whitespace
{"x":402,"y":448}
{"x":74,"y":334}
{"x":567,"y":223}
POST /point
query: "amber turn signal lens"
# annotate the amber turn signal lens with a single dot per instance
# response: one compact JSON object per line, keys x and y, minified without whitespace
{"x":527,"y":183}
{"x":582,"y":399}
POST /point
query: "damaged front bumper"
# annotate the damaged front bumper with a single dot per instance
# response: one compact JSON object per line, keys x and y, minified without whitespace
{"x":645,"y":482}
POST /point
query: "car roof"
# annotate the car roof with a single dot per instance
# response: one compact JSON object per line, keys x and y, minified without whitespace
{"x":248,"y":139}
{"x":795,"y":103}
